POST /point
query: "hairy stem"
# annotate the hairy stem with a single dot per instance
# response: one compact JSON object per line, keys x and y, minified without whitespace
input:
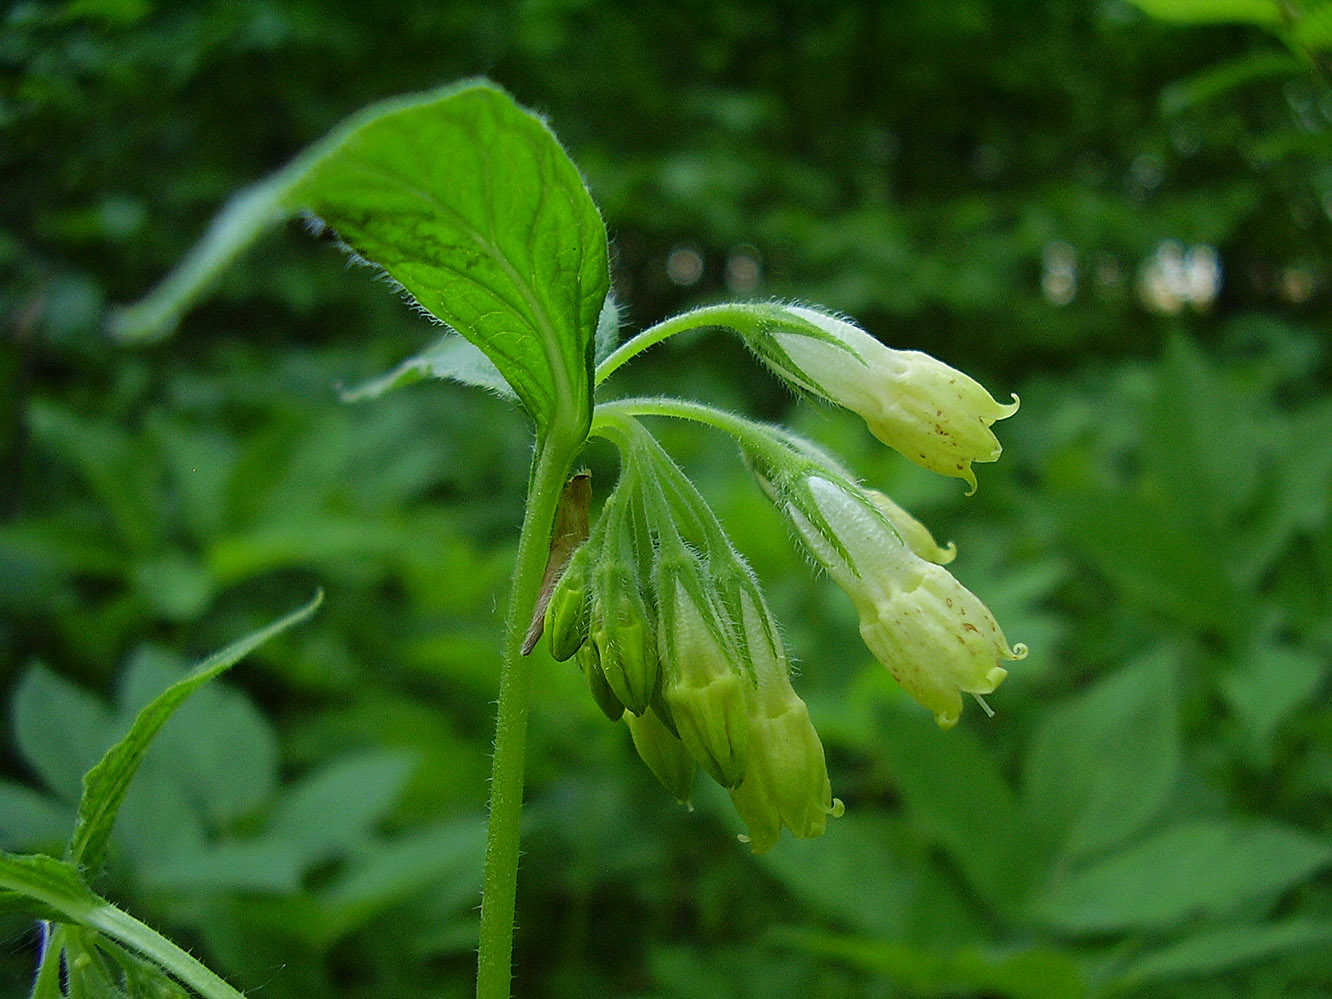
{"x":124,"y":928}
{"x":495,"y":958}
{"x":736,"y":316}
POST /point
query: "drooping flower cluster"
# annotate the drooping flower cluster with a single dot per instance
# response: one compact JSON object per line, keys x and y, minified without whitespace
{"x":669,"y":624}
{"x":672,"y":633}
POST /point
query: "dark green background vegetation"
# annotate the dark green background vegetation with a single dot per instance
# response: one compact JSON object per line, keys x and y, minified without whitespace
{"x":1149,"y":814}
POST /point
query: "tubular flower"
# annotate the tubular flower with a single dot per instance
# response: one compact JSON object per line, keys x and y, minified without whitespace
{"x":786,"y":780}
{"x":917,"y":405}
{"x":935,"y":636}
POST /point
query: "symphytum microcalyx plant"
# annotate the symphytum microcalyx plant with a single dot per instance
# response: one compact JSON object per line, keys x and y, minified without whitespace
{"x":469,"y":203}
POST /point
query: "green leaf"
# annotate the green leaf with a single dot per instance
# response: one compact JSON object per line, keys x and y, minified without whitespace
{"x":470,"y":203}
{"x":865,"y":853}
{"x":1266,"y":12}
{"x":29,"y":819}
{"x":268,"y":866}
{"x":446,"y":858}
{"x":61,"y":729}
{"x":334,"y":809}
{"x":1229,"y":947}
{"x":1157,"y":556}
{"x":1026,"y":974}
{"x":53,"y":883}
{"x":218,"y":749}
{"x":451,"y":359}
{"x":952,"y":788}
{"x":1268,"y":683}
{"x":1187,"y":871}
{"x":105,"y":785}
{"x":1102,"y":765}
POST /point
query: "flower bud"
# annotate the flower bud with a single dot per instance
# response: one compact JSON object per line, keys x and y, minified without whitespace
{"x":590,"y":663}
{"x":786,"y":780}
{"x":664,"y":754}
{"x":702,"y":687}
{"x":916,"y":535}
{"x":568,"y":611}
{"x":917,"y":405}
{"x":625,"y":638}
{"x":934,"y":635}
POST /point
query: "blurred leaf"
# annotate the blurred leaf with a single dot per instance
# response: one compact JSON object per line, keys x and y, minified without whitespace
{"x":1200,"y":442}
{"x":445,"y":857}
{"x":1207,"y":953}
{"x":857,"y":876}
{"x":948,"y":780}
{"x":177,"y":586}
{"x":1026,"y":974}
{"x":1268,"y":683}
{"x":218,"y":749}
{"x":61,"y":729}
{"x":29,"y":819}
{"x":1222,"y":79}
{"x":1202,"y":869}
{"x":1263,"y":12}
{"x":109,"y":461}
{"x":261,"y":865}
{"x":105,"y":785}
{"x":1104,"y":763}
{"x":1158,"y":557}
{"x":1296,"y":492}
{"x":335,"y":808}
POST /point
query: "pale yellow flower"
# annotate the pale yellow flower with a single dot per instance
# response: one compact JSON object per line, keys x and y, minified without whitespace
{"x":917,"y":405}
{"x":933,"y":634}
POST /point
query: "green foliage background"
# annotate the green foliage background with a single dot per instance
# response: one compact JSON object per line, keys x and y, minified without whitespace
{"x":1148,"y":815}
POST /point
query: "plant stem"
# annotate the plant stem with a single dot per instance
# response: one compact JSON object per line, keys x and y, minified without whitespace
{"x":494,"y":967}
{"x":734,"y":315}
{"x":121,"y":926}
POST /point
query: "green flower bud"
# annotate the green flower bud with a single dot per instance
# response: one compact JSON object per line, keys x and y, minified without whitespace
{"x":916,"y":535}
{"x":664,"y":754}
{"x":786,"y":783}
{"x":626,"y":642}
{"x":703,"y":688}
{"x":606,"y":700}
{"x":568,"y":612}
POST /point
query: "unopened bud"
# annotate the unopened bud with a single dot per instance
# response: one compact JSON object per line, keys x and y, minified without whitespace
{"x":703,"y":688}
{"x":567,"y":613}
{"x":786,"y":783}
{"x":626,"y":644}
{"x":664,"y":754}
{"x":590,"y":664}
{"x":916,"y":535}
